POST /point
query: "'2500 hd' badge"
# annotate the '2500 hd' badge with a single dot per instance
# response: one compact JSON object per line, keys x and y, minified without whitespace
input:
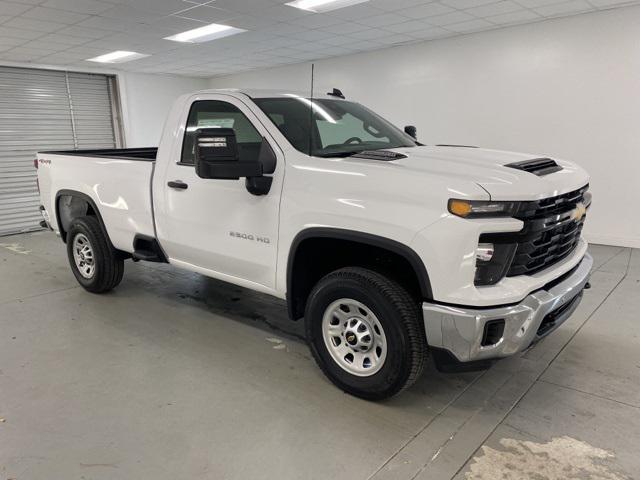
{"x":249,"y":236}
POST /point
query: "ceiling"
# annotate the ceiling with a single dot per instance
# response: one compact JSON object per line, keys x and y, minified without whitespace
{"x":67,"y":32}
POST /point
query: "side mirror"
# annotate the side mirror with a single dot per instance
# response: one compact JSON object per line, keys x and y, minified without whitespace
{"x":267,"y":159}
{"x":411,"y":131}
{"x":217,"y":156}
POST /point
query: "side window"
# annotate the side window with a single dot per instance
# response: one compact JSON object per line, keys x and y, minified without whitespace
{"x":218,"y":114}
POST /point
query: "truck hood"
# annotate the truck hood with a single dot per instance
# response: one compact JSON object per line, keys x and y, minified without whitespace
{"x":487,"y":168}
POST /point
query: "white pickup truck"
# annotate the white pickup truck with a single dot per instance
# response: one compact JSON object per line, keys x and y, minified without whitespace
{"x":389,"y":249}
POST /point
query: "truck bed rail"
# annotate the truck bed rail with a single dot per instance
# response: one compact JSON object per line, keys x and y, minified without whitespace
{"x":145,"y":154}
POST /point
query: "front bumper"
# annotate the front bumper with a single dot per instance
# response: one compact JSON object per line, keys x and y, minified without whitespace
{"x":461,"y":331}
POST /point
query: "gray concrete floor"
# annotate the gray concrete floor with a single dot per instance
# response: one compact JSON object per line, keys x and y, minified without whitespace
{"x":176,"y":376}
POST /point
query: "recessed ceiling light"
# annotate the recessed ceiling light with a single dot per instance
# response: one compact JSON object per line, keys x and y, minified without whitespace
{"x":118,"y":56}
{"x":319,"y":6}
{"x":205,"y":34}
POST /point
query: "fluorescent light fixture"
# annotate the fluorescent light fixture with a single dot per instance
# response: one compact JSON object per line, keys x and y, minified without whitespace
{"x":319,"y":6}
{"x":205,"y":34}
{"x":118,"y":56}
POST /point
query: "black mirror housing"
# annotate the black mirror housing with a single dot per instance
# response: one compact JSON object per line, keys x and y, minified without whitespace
{"x":411,"y":131}
{"x":217,"y":156}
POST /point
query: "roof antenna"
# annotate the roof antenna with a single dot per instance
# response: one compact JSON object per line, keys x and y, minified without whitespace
{"x":311,"y":112}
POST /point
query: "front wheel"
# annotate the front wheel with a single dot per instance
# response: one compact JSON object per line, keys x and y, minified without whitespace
{"x":365,"y":332}
{"x":94,"y":262}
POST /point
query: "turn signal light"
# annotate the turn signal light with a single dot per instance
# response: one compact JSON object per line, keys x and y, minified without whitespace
{"x":482,"y":208}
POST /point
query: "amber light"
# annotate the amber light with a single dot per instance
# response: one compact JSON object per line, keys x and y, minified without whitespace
{"x":461,"y":208}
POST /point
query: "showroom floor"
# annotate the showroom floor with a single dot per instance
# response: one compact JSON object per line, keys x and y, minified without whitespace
{"x":174,"y":375}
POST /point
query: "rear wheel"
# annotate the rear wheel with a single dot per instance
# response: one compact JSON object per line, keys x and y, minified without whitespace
{"x":97,"y":266}
{"x":365,"y":332}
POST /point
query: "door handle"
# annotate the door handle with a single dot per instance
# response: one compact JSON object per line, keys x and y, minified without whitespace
{"x":179,"y":184}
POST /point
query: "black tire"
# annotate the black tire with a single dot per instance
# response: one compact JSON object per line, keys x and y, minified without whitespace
{"x":109,"y":264}
{"x":397,"y":312}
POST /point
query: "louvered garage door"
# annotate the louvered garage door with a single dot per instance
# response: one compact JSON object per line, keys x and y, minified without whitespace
{"x":45,"y":110}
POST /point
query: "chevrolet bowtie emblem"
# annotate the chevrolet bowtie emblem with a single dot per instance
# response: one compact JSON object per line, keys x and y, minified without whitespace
{"x":579,"y":212}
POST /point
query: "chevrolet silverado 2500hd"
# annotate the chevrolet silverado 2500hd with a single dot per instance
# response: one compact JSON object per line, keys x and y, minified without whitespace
{"x":386,"y":247}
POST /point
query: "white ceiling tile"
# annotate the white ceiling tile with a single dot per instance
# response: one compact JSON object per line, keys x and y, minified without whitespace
{"x":394,"y":5}
{"x":54,"y":15}
{"x":496,"y":8}
{"x":429,"y":33}
{"x":470,"y":26}
{"x":338,"y":40}
{"x":564,"y":8}
{"x":611,"y":3}
{"x":312,"y":35}
{"x":19,"y":33}
{"x":424,"y":11}
{"x":131,"y":14}
{"x":281,"y":28}
{"x":79,"y":6}
{"x":344,"y":28}
{"x":163,"y":7}
{"x":111,"y":24}
{"x":11,"y":42}
{"x":396,"y":39}
{"x":463,"y":4}
{"x":43,"y":51}
{"x":11,"y":9}
{"x":514,"y":17}
{"x":84,"y":32}
{"x":64,"y":39}
{"x":248,"y":22}
{"x":450,"y":18}
{"x":31,"y":24}
{"x":207,"y":14}
{"x":317,"y":20}
{"x":170,"y":25}
{"x":537,"y":3}
{"x":27,"y":2}
{"x":382,"y":20}
{"x":365,"y":45}
{"x":408,"y":26}
{"x":356,"y":12}
{"x":282,"y":13}
{"x":370,"y":34}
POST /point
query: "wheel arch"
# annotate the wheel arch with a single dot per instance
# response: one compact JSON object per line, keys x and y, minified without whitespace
{"x":300,"y":280}
{"x":65,"y":215}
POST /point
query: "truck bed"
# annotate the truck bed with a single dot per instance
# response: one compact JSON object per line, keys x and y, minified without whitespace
{"x":144,"y":154}
{"x":117,"y":181}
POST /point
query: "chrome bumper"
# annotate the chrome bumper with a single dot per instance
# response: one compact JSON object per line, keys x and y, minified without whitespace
{"x":460,"y":330}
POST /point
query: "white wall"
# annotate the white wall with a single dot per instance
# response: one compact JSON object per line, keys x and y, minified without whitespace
{"x":568,"y":88}
{"x":146,"y":100}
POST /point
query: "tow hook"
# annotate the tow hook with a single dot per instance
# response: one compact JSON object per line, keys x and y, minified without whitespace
{"x":587,"y":285}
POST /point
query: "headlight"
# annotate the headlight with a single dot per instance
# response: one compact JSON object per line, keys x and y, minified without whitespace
{"x":482,"y":208}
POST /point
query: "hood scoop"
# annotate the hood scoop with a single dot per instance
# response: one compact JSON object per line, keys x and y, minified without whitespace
{"x":537,"y":166}
{"x":385,"y":155}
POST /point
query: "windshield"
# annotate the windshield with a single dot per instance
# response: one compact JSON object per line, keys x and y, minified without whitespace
{"x":336,"y":128}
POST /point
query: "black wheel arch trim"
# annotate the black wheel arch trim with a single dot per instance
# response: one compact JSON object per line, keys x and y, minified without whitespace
{"x":86,"y":198}
{"x":360,"y":237}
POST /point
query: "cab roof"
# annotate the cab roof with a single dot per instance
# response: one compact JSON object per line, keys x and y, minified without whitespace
{"x":270,"y":93}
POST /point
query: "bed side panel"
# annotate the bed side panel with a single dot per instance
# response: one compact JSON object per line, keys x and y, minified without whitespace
{"x":120,"y":189}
